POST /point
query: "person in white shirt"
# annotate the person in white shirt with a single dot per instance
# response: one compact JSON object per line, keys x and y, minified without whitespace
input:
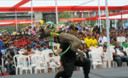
{"x":102,"y":39}
{"x":119,"y":55}
{"x":105,"y":56}
{"x":52,"y":62}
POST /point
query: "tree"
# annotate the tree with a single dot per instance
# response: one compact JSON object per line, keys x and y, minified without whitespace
{"x":64,"y":15}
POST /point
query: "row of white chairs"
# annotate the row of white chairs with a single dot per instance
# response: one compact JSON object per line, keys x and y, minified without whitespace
{"x":37,"y":61}
{"x":95,"y":55}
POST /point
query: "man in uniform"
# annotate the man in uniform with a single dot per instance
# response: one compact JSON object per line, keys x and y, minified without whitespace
{"x":69,"y":60}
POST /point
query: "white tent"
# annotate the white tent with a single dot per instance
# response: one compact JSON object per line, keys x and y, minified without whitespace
{"x":124,"y":17}
{"x":38,"y":3}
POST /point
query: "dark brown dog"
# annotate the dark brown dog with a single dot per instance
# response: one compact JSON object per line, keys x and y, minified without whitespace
{"x":68,"y":38}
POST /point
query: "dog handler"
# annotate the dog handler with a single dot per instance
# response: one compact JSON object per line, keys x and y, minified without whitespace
{"x":69,"y":60}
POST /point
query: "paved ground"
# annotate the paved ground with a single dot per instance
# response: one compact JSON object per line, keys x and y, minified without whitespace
{"x":98,"y":73}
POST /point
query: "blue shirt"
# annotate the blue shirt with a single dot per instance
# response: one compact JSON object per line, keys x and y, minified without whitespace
{"x":16,"y":49}
{"x":118,"y":30}
{"x":35,"y":49}
{"x":4,"y":52}
{"x":44,"y":49}
{"x":33,"y":45}
{"x":0,"y":50}
{"x":23,"y":49}
{"x":41,"y":42}
{"x":1,"y":43}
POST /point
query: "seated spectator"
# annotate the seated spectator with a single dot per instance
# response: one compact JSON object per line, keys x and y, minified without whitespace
{"x":119,"y":55}
{"x":41,"y":48}
{"x":16,"y":47}
{"x":80,"y":35}
{"x":11,"y":44}
{"x":1,"y":42}
{"x":28,"y":51}
{"x":86,"y":50}
{"x":52,"y":63}
{"x":16,"y":42}
{"x":124,"y":44}
{"x":6,"y":43}
{"x":127,"y":38}
{"x":112,"y":43}
{"x":35,"y":48}
{"x":25,"y":47}
{"x":45,"y":47}
{"x":105,"y":56}
{"x":34,"y":31}
{"x":33,"y":43}
{"x":0,"y":58}
{"x":41,"y":41}
{"x":93,"y":42}
{"x":28,"y":44}
{"x":38,"y":46}
{"x":0,"y":54}
{"x":88,"y":40}
{"x":10,"y":56}
{"x":1,"y":49}
{"x":21,"y":49}
{"x":102,"y":39}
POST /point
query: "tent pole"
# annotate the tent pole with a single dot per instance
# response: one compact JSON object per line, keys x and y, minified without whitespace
{"x":108,"y":40}
{"x":56,"y":12}
{"x":31,"y":13}
{"x":121,"y":19}
{"x":72,"y":15}
{"x":127,"y":19}
{"x":115,"y":22}
{"x":89,"y":16}
{"x":16,"y":19}
{"x":99,"y":20}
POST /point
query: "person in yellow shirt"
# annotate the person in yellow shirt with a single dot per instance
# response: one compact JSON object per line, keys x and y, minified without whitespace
{"x":93,"y":42}
{"x":88,"y":40}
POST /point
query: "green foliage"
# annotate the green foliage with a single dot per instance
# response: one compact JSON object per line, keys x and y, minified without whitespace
{"x":64,"y":15}
{"x":11,"y":28}
{"x":2,"y":30}
{"x":93,"y":23}
{"x":22,"y":26}
{"x":104,"y":22}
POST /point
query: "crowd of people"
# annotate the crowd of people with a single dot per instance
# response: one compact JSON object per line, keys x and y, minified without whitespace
{"x":28,"y":40}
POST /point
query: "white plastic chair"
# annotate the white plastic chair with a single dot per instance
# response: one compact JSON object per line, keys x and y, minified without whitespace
{"x":2,"y":58}
{"x":57,"y":59}
{"x":16,"y":63}
{"x":92,"y":48}
{"x":39,"y":62}
{"x":127,"y":51}
{"x":23,"y":62}
{"x":96,"y":59}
